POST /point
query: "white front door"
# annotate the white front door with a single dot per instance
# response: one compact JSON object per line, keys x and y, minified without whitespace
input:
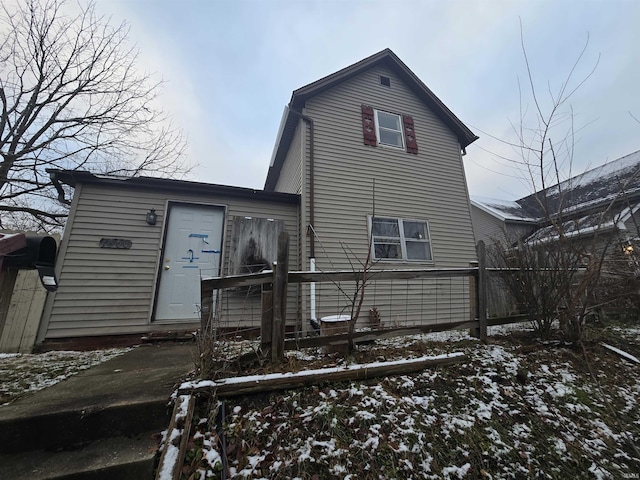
{"x":192,"y":249}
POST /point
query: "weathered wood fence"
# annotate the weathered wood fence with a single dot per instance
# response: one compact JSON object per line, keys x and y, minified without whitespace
{"x":275,"y":283}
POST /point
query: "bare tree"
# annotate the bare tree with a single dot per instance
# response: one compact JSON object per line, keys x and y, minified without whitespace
{"x":72,"y":98}
{"x":554,"y":273}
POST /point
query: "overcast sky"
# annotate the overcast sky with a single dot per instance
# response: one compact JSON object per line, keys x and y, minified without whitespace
{"x":230,"y":68}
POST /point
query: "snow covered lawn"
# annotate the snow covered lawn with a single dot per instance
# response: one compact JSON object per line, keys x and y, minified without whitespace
{"x":520,"y":408}
{"x":22,"y":373}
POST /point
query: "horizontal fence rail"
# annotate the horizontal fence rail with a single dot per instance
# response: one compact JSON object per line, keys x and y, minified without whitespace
{"x":266,"y":276}
{"x":344,"y":306}
{"x":398,"y":302}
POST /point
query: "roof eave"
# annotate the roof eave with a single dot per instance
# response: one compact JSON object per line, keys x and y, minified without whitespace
{"x":503,"y":218}
{"x":74,"y":177}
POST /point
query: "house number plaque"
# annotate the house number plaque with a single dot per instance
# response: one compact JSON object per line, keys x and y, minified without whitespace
{"x":115,"y":243}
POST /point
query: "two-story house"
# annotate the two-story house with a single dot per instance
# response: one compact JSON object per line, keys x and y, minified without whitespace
{"x":376,"y":158}
{"x":367,"y":164}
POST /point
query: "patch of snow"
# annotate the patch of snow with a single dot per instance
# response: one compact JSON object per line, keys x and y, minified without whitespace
{"x":22,"y":373}
{"x":599,"y":472}
{"x":170,"y":459}
{"x":559,"y":445}
{"x":459,"y":472}
{"x":622,"y":353}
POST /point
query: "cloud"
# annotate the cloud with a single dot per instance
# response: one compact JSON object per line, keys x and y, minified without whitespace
{"x":230,"y":68}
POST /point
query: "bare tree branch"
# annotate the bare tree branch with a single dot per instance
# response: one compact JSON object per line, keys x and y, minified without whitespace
{"x":72,"y":98}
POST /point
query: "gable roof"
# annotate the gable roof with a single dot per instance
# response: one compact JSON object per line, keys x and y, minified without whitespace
{"x":390,"y":60}
{"x":505,"y":210}
{"x":596,"y":187}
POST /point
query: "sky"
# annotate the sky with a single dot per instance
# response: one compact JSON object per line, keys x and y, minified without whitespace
{"x":230,"y":67}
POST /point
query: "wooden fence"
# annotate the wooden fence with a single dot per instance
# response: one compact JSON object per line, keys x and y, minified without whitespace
{"x":275,"y":283}
{"x":22,"y":300}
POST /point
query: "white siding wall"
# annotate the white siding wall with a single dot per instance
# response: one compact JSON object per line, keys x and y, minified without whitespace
{"x":108,"y":291}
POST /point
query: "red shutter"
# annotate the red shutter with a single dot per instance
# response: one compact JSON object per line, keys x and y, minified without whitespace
{"x":410,"y":135}
{"x":368,"y":126}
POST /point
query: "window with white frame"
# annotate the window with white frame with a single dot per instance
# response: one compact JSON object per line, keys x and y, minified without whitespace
{"x":400,"y":239}
{"x":389,"y":129}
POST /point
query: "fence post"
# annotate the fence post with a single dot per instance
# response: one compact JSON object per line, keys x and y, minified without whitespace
{"x":266,"y":326}
{"x":482,"y":291}
{"x":281,"y":273}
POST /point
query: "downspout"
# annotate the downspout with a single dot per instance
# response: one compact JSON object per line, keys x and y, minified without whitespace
{"x":309,"y":120}
{"x":56,"y":183}
{"x":312,"y":290}
{"x":310,"y":229}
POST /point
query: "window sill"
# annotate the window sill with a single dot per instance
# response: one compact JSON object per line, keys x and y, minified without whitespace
{"x":397,"y":261}
{"x":392,"y":147}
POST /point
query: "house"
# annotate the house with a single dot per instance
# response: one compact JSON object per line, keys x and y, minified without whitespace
{"x":597,"y":212}
{"x":367,"y":152}
{"x":605,"y":199}
{"x":371,"y":150}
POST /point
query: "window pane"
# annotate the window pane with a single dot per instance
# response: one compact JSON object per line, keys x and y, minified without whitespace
{"x":389,"y":137}
{"x":418,"y":251}
{"x":415,"y":230}
{"x":388,"y":120}
{"x":385,"y":228}
{"x":387,"y":250}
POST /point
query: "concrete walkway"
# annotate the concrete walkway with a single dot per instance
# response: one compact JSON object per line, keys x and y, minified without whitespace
{"x":123,"y":397}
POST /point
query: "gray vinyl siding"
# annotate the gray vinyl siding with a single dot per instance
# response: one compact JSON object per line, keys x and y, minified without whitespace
{"x":429,"y":186}
{"x":290,"y":179}
{"x":487,"y":227}
{"x":518,"y":231}
{"x":110,"y":291}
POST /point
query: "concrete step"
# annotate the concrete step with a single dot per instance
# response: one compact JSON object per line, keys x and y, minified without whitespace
{"x":68,"y":428}
{"x":123,"y":458}
{"x":123,"y":396}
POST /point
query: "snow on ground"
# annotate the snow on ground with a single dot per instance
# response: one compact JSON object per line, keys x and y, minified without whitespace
{"x":21,"y":373}
{"x":509,"y":412}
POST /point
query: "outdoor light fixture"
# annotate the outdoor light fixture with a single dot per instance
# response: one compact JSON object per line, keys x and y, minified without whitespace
{"x":152,"y":217}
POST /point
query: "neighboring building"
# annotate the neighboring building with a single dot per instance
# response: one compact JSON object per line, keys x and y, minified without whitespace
{"x":597,"y":211}
{"x":605,"y":199}
{"x":368,"y":149}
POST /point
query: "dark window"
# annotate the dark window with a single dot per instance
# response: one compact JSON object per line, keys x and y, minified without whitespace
{"x":386,"y":81}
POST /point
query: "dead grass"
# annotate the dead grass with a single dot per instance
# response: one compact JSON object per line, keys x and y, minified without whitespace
{"x":519,"y":408}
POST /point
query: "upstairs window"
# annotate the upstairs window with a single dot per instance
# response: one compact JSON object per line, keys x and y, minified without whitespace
{"x":400,"y":239}
{"x":389,"y":129}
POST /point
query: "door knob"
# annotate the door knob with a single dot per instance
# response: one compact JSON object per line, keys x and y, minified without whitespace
{"x":167,"y":267}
